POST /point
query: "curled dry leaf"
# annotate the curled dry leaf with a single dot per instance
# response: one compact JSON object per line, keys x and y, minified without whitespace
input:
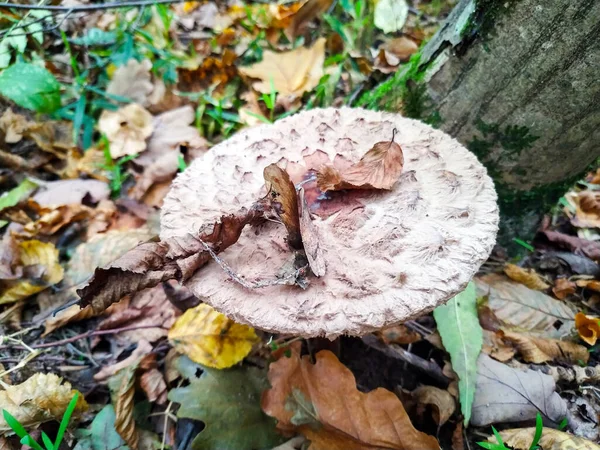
{"x":311,"y":240}
{"x":211,"y":339}
{"x":153,"y":384}
{"x":379,"y":168}
{"x":43,"y":256}
{"x":122,"y":387}
{"x":133,"y":81}
{"x":538,"y":350}
{"x":305,"y":398}
{"x":398,"y":334}
{"x":310,"y":10}
{"x":41,"y":398}
{"x":292,"y":73}
{"x":588,"y":327}
{"x":587,"y":207}
{"x":52,"y":136}
{"x":593,"y":285}
{"x":13,"y":126}
{"x":282,"y":195}
{"x":563,"y":288}
{"x":521,"y":439}
{"x":126,"y":129}
{"x":505,"y":394}
{"x":517,"y":306}
{"x":442,"y":402}
{"x":494,"y":346}
{"x":528,"y":277}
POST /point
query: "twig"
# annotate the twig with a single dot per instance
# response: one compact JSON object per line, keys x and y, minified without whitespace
{"x":86,"y":335}
{"x":93,"y":7}
{"x":396,"y":352}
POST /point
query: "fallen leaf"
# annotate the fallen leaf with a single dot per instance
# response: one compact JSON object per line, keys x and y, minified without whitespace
{"x":524,"y":309}
{"x":147,"y":307}
{"x":52,"y":219}
{"x":593,"y":285}
{"x":443,"y":403}
{"x":126,"y":129}
{"x":143,"y":348}
{"x":398,"y":334}
{"x":102,"y":433}
{"x":310,"y":10}
{"x":528,"y":277}
{"x":505,"y":394}
{"x":52,"y":136}
{"x":282,"y":195}
{"x":584,"y":247}
{"x":228,"y":402}
{"x":67,"y":192}
{"x":10,"y":268}
{"x":390,"y":15}
{"x":209,"y":338}
{"x":132,"y":80}
{"x":17,"y":195}
{"x":379,"y":168}
{"x":213,"y":72}
{"x":494,"y":346}
{"x":122,"y":387}
{"x":92,"y":164}
{"x":588,"y":328}
{"x":98,"y":251}
{"x":291,"y":73}
{"x":153,"y":384}
{"x":180,"y":296}
{"x":311,"y":241}
{"x":305,"y":398}
{"x":458,"y":442}
{"x":401,"y":47}
{"x":587,"y":208}
{"x":462,"y":336}
{"x":563,"y":288}
{"x":539,"y":350}
{"x":521,"y":439}
{"x":13,"y":126}
{"x":34,"y":253}
{"x":39,"y":399}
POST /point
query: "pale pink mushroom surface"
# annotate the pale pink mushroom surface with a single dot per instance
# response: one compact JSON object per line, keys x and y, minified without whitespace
{"x":390,"y":255}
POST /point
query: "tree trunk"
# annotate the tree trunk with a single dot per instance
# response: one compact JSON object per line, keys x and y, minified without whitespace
{"x":517,"y":82}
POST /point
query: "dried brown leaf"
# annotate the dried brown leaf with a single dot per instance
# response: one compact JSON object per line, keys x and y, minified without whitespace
{"x":588,"y":327}
{"x":585,"y":247}
{"x":126,"y":129}
{"x":593,"y":285}
{"x":401,"y":47}
{"x":142,"y":349}
{"x":521,"y":439}
{"x":52,"y":136}
{"x":399,"y":334}
{"x":538,"y":351}
{"x":494,"y":346}
{"x":41,"y":398}
{"x":563,"y":288}
{"x":180,"y":296}
{"x":153,"y":384}
{"x":13,"y":126}
{"x":528,"y":277}
{"x":305,"y":398}
{"x":310,"y":10}
{"x":282,"y":194}
{"x":379,"y":168}
{"x":443,"y":403}
{"x":133,"y":81}
{"x":122,"y":386}
{"x":311,"y":240}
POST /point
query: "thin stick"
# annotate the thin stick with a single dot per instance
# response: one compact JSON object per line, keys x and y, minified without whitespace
{"x":83,"y":336}
{"x":95,"y":7}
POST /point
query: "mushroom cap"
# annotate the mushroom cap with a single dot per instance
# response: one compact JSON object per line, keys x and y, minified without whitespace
{"x":390,"y":255}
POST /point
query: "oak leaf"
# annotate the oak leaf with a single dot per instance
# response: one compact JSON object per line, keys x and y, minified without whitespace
{"x":126,"y":129}
{"x":587,"y":327}
{"x":45,"y":257}
{"x":539,"y":350}
{"x":291,"y":73}
{"x":379,"y":168}
{"x":321,"y":402}
{"x":209,"y":338}
{"x":521,"y":439}
{"x":528,"y":277}
{"x":41,"y":398}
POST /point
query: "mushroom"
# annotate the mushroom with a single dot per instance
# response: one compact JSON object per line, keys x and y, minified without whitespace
{"x":388,"y":255}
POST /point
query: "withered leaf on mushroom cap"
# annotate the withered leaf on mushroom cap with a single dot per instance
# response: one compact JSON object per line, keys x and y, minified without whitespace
{"x":282,"y":193}
{"x":379,"y":168}
{"x":310,"y":240}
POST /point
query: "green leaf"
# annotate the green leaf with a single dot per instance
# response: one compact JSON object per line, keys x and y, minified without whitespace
{"x":31,"y":87}
{"x":64,"y":423}
{"x":462,"y":337}
{"x":47,"y":442}
{"x":16,"y":195}
{"x":96,"y":36}
{"x":228,"y":402}
{"x":390,"y":15}
{"x":102,"y":434}
{"x":539,"y":427}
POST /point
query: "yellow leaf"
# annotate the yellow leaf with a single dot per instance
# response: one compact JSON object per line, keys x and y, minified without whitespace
{"x":521,"y":438}
{"x":587,"y":327}
{"x":539,"y":350}
{"x":528,"y":277}
{"x":34,"y":253}
{"x":39,"y":399}
{"x":292,"y":73}
{"x":209,"y":338}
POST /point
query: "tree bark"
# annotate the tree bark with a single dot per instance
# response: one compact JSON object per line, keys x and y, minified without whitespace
{"x":517,"y":82}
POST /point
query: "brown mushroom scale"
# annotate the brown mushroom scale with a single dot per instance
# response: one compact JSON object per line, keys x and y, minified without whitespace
{"x":390,"y":255}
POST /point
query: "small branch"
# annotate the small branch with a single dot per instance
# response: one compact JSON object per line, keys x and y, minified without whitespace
{"x":93,"y":7}
{"x":82,"y":336}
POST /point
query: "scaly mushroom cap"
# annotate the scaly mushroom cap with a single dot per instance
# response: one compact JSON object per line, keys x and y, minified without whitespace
{"x":390,"y":255}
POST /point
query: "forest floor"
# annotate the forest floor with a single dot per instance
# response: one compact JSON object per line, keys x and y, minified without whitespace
{"x":101,"y":108}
